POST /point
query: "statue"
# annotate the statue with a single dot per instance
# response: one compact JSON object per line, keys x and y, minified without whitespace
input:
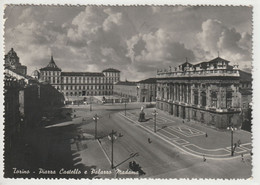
{"x":142,"y":115}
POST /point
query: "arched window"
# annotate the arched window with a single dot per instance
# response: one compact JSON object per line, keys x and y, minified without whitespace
{"x":203,"y":98}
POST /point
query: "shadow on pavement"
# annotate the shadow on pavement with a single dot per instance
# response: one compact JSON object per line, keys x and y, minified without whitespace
{"x":47,"y":153}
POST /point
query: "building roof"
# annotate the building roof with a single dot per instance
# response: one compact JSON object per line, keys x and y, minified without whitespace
{"x":245,"y":76}
{"x":51,"y":66}
{"x":148,"y":81}
{"x":127,"y":83}
{"x":111,"y":70}
{"x":186,"y":64}
{"x":81,"y":74}
{"x":12,"y":54}
{"x":213,"y":61}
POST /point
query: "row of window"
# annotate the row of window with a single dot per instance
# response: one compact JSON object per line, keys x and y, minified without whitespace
{"x":91,"y":93}
{"x":50,"y":73}
{"x":111,"y":74}
{"x":203,"y":98}
{"x":57,"y":80}
{"x":86,"y":87}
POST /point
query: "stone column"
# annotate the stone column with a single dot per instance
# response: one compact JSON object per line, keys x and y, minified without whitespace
{"x":178,"y":92}
{"x":191,"y":94}
{"x":199,"y":93}
{"x":175,"y":92}
{"x":181,"y":93}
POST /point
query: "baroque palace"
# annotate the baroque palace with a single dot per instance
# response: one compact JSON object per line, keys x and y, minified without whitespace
{"x":78,"y":84}
{"x":208,"y":92}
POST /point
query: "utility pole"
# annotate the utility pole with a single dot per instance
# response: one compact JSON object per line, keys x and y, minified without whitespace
{"x":95,"y":118}
{"x":112,"y":137}
{"x":154,"y":114}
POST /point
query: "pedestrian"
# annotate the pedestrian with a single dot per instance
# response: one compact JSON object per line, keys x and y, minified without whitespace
{"x":183,"y":121}
{"x":149,"y":140}
{"x":238,"y":143}
{"x":204,"y":158}
{"x":206,"y":135}
{"x":242,"y":157}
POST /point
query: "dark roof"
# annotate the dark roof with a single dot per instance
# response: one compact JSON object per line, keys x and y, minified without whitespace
{"x":126,"y":83}
{"x":148,"y":81}
{"x":215,"y":60}
{"x":218,"y":59}
{"x":111,"y":70}
{"x":51,"y":66}
{"x":11,"y":54}
{"x":185,"y":65}
{"x":245,"y":76}
{"x":81,"y":74}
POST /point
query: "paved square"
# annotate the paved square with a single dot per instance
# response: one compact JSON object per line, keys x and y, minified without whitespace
{"x":187,"y":131}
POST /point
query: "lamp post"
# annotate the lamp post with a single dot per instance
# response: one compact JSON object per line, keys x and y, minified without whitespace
{"x":95,"y":118}
{"x":232,"y":128}
{"x":112,"y":137}
{"x":90,"y":104}
{"x":154,"y":114}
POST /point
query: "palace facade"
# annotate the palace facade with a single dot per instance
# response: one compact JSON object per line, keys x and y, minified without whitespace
{"x":79,"y":84}
{"x":208,"y":92}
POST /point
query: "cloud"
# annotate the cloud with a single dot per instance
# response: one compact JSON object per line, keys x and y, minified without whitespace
{"x":232,"y":45}
{"x":135,"y":40}
{"x":149,"y":51}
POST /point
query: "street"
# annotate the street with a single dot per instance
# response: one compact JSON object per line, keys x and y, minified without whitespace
{"x":156,"y":157}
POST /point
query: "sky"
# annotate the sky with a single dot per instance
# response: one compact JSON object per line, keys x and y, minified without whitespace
{"x":137,"y":40}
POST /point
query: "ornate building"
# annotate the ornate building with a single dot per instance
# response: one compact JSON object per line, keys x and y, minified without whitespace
{"x":208,"y":92}
{"x":78,"y":84}
{"x":12,"y":62}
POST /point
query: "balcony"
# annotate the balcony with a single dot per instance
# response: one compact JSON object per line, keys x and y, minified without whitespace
{"x":215,"y":72}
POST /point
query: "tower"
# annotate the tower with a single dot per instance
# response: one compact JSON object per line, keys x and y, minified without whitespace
{"x":51,"y":74}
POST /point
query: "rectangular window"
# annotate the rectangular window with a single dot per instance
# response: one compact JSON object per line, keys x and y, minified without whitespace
{"x":196,"y":98}
{"x":229,"y":99}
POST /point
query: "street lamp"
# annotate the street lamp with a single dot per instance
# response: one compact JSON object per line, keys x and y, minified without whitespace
{"x":232,"y":128}
{"x":154,"y":114}
{"x":95,"y":118}
{"x":112,"y":137}
{"x":90,"y":104}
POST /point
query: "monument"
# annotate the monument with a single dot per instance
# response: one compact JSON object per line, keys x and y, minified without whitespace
{"x":142,"y":115}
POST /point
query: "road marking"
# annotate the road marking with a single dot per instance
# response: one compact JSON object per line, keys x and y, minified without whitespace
{"x":212,"y":155}
{"x":187,"y":151}
{"x":183,"y":141}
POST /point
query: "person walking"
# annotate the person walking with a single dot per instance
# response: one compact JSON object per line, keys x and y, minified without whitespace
{"x":242,"y":157}
{"x":204,"y":158}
